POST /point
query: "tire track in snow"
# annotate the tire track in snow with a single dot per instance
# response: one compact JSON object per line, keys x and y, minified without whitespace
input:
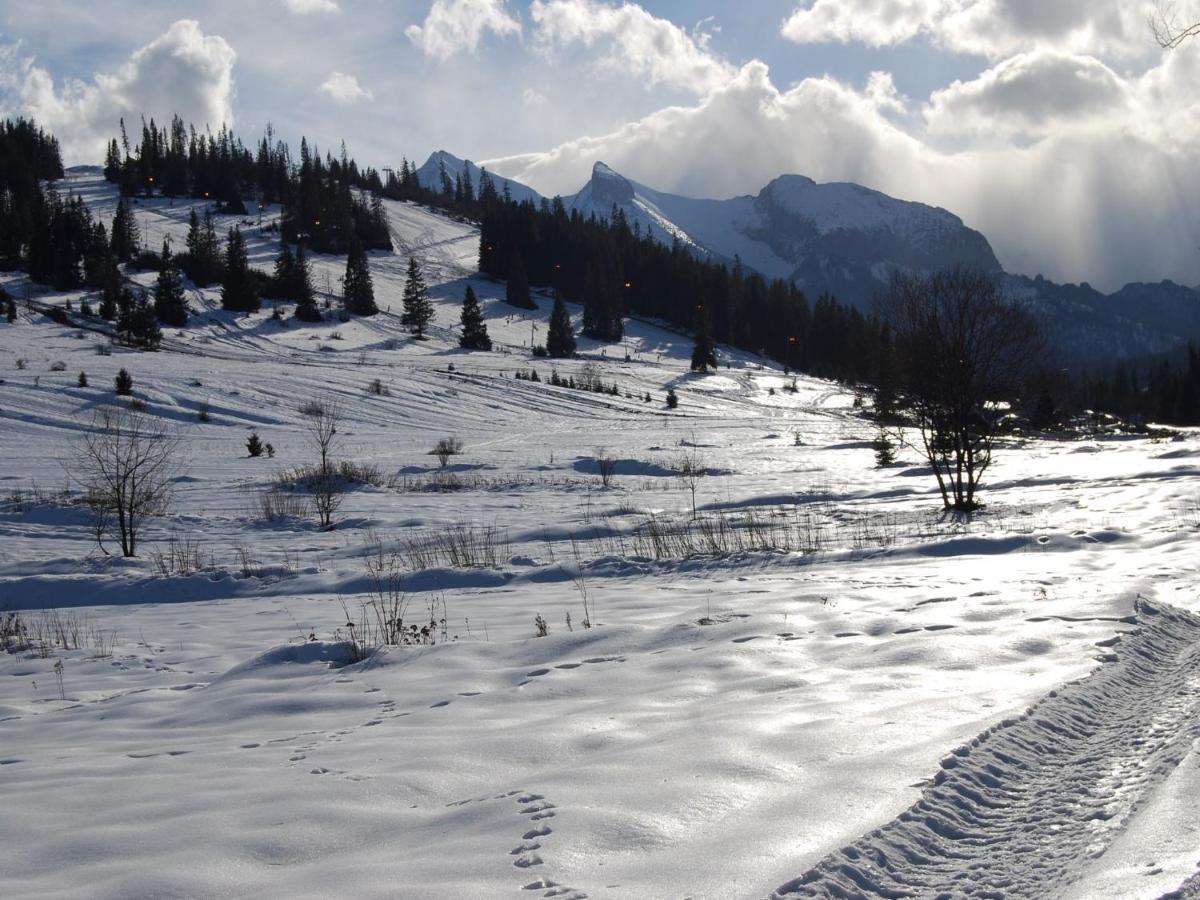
{"x":1021,"y":809}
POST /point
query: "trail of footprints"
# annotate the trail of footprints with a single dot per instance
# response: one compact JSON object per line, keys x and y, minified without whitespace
{"x":538,"y":812}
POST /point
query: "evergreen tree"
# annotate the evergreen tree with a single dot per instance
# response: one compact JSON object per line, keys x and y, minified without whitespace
{"x":124,"y":236}
{"x":254,"y":445}
{"x":170,"y":305}
{"x":516,"y":292}
{"x":110,"y":290}
{"x":602,"y":307}
{"x":239,"y":291}
{"x":704,"y":354}
{"x":672,"y":398}
{"x":359,"y":291}
{"x":418,"y":310}
{"x":560,"y":340}
{"x":285,"y":267}
{"x":203,"y":263}
{"x":123,"y":383}
{"x":474,"y":329}
{"x":300,"y":289}
{"x":146,"y":333}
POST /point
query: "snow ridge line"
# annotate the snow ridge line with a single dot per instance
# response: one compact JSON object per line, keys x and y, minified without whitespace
{"x":1022,"y":808}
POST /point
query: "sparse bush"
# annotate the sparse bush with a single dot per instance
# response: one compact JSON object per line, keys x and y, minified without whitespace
{"x":275,"y":505}
{"x":58,"y":366}
{"x":270,"y":451}
{"x":104,"y":349}
{"x":689,"y":467}
{"x":312,"y":408}
{"x":445,"y":448}
{"x":123,"y":383}
{"x":540,"y":626}
{"x":377,"y":388}
{"x":21,"y":364}
{"x":605,"y":465}
{"x":203,"y":412}
{"x":126,"y":463}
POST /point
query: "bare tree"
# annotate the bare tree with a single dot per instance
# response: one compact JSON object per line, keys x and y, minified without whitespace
{"x":445,"y":448}
{"x":962,"y":348}
{"x":125,"y":465}
{"x":605,"y":465}
{"x":1168,"y":29}
{"x":689,"y":467}
{"x":326,"y":484}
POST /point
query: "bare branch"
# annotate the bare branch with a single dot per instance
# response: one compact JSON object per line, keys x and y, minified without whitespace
{"x":1169,"y":32}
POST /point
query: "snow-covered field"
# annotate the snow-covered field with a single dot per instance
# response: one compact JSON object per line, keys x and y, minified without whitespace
{"x":732,"y":725}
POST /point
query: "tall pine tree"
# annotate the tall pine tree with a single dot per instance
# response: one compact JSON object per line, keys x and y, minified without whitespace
{"x":170,"y":304}
{"x":124,"y":236}
{"x":239,"y":292}
{"x":560,"y":340}
{"x":418,"y":310}
{"x":301,"y":290}
{"x":516,"y":292}
{"x":358,"y":289}
{"x":704,"y":352}
{"x":474,"y":329}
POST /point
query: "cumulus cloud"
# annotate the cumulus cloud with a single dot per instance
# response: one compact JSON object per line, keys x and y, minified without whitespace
{"x":309,"y":7}
{"x":182,"y":71}
{"x":992,"y":28}
{"x":455,"y":26}
{"x":876,"y":23}
{"x":1105,"y":200}
{"x":1028,"y":96}
{"x":637,"y":42}
{"x":344,"y":88}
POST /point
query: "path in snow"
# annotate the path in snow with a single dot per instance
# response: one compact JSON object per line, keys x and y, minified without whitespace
{"x":1021,"y":809}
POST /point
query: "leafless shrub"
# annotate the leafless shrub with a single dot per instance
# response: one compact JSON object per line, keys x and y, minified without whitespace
{"x":274,"y":505}
{"x":689,"y":468}
{"x":125,"y":464}
{"x":461,"y":546}
{"x":445,"y":448}
{"x":179,"y":556}
{"x":605,"y":465}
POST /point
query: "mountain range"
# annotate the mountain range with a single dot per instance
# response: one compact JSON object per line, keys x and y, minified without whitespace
{"x":848,"y":240}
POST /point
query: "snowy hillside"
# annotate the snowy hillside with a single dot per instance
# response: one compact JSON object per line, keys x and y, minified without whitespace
{"x":801,"y":679}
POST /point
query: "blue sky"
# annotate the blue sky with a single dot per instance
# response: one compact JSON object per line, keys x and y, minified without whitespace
{"x":1058,"y":129}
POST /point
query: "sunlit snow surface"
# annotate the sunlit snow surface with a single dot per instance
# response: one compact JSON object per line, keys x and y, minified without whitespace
{"x":219,"y":753}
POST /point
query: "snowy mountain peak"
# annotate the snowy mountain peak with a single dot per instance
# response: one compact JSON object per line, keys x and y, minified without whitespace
{"x":608,"y":187}
{"x":430,"y":176}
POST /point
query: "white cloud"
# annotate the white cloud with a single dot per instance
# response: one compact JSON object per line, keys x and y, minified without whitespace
{"x":1028,"y":96}
{"x":876,"y":23}
{"x":455,"y":26}
{"x":309,"y":7}
{"x":992,"y":28}
{"x":345,"y":88}
{"x":533,"y":97}
{"x":638,"y":43}
{"x":182,"y":71}
{"x":1100,"y":197}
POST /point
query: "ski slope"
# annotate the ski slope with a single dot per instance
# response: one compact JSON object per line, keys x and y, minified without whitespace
{"x":888,"y":702}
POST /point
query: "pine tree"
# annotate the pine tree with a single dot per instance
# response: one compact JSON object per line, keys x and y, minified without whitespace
{"x":170,"y":305}
{"x":359,"y":291}
{"x":254,"y":445}
{"x":203,"y":250}
{"x":123,"y":384}
{"x":474,"y":329}
{"x":285,"y":267}
{"x":560,"y":340}
{"x":110,"y":290}
{"x":704,"y":354}
{"x":144,"y":322}
{"x":124,"y":237}
{"x":672,"y":398}
{"x":516,"y":292}
{"x":418,"y":310}
{"x":239,"y":292}
{"x":301,"y":290}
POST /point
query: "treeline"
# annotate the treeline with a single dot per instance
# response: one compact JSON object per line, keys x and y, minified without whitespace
{"x":614,"y":271}
{"x":1166,"y":390}
{"x":320,"y":203}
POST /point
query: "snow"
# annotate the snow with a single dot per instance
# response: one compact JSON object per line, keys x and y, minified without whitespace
{"x":729,"y":723}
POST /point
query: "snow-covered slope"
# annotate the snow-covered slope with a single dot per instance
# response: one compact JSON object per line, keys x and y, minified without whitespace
{"x":740,"y":711}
